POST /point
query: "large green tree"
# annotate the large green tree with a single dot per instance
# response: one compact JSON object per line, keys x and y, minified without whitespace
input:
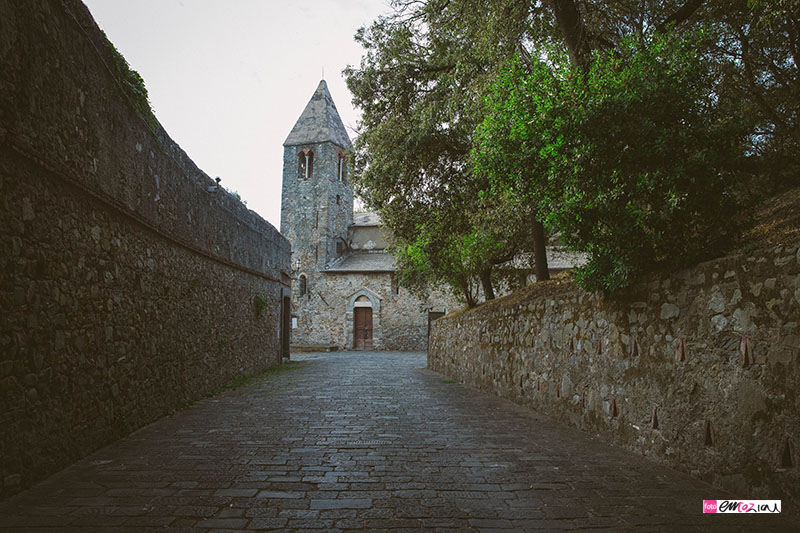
{"x":632,"y":155}
{"x":428,"y":67}
{"x":420,"y":85}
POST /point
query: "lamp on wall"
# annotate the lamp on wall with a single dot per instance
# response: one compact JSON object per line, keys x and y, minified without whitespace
{"x":213,"y":188}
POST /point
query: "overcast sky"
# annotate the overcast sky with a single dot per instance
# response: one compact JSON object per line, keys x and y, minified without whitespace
{"x":228,"y":78}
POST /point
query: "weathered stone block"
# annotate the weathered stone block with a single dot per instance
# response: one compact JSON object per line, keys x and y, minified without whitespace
{"x":669,"y":311}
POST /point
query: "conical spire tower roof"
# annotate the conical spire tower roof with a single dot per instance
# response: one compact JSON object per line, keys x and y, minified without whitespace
{"x":320,"y":122}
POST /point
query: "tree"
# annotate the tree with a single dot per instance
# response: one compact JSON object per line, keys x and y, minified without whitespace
{"x":419,"y":86}
{"x":428,"y":67}
{"x":632,"y":155}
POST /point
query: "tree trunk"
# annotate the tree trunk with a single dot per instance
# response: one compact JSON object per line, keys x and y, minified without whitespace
{"x":682,"y":14}
{"x":486,"y":281}
{"x":539,"y":251}
{"x":467,"y":292}
{"x":576,"y":37}
{"x":470,"y":300}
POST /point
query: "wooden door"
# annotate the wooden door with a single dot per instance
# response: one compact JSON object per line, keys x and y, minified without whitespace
{"x":286,"y":326}
{"x":362,"y":337}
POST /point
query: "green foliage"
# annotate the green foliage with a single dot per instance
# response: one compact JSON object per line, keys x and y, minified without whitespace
{"x":633,"y":161}
{"x":261,"y":304}
{"x":236,"y":195}
{"x":433,"y":256}
{"x":133,"y":86}
{"x":639,"y":157}
{"x":419,"y":86}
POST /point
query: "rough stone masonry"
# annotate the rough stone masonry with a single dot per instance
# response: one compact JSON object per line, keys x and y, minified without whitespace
{"x":127,"y":287}
{"x":698,"y":370}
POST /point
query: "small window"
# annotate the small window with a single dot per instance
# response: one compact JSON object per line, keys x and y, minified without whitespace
{"x":395,"y":285}
{"x":338,"y":200}
{"x":305,"y":164}
{"x":303,"y":285}
{"x":301,"y":165}
{"x":342,"y":167}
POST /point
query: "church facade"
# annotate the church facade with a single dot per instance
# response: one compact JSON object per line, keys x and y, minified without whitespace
{"x":345,"y":293}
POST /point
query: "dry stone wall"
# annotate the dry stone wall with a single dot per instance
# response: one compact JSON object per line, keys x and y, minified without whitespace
{"x":127,"y":289}
{"x":698,"y":370}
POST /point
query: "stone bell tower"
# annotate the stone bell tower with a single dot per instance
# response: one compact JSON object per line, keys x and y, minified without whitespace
{"x":317,"y":197}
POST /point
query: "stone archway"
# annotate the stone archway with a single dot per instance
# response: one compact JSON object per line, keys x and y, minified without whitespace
{"x":362,"y":324}
{"x":362,"y":320}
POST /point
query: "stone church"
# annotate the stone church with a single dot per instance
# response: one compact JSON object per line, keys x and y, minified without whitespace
{"x":344,"y":290}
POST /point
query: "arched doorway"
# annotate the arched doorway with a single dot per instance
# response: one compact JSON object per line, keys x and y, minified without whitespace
{"x":362,"y":323}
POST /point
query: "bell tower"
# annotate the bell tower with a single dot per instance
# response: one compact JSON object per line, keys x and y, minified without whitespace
{"x":317,"y":197}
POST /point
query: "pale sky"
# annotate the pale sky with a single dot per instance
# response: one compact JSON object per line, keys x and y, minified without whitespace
{"x":228,"y":78}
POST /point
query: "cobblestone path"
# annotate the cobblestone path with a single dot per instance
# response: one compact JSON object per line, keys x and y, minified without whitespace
{"x":368,"y":441}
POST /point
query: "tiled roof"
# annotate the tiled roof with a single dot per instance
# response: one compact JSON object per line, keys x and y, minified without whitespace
{"x":366,"y":219}
{"x":364,"y":262}
{"x":320,"y":122}
{"x":382,"y":261}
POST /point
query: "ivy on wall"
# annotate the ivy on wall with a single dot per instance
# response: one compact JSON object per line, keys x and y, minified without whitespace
{"x":133,"y":86}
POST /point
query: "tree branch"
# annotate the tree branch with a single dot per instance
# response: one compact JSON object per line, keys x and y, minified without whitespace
{"x":683,"y":13}
{"x":525,"y":56}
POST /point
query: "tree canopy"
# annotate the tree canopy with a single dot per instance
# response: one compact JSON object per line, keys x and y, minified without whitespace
{"x":632,"y":128}
{"x":420,"y":87}
{"x":633,"y":158}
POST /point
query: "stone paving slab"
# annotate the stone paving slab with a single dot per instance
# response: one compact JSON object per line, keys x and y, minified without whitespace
{"x":367,"y":441}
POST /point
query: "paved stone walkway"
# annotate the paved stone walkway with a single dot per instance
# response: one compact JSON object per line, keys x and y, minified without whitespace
{"x":368,"y":441}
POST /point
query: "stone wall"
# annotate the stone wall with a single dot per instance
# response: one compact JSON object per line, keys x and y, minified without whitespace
{"x":698,"y":370}
{"x":399,"y":320}
{"x":127,"y":289}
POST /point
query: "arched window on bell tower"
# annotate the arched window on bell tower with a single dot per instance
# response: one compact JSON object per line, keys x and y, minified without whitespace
{"x":342,"y":167}
{"x":305,"y":164}
{"x":303,"y":285}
